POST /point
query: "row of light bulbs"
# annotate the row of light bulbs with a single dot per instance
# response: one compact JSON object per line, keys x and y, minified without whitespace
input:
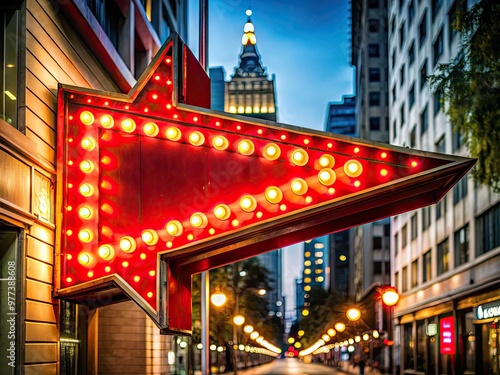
{"x":271,"y":151}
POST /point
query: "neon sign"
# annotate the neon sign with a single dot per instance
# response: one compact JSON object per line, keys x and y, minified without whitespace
{"x":447,"y":335}
{"x":155,"y":187}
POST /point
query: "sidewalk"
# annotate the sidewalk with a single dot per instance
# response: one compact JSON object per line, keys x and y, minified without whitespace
{"x":350,"y":369}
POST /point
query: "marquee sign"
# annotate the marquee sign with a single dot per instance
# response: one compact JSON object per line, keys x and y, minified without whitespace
{"x":154,"y":187}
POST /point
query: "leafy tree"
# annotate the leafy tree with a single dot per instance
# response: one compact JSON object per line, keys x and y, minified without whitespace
{"x":470,"y":86}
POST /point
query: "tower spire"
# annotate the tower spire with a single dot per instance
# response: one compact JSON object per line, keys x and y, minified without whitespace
{"x":250,"y":64}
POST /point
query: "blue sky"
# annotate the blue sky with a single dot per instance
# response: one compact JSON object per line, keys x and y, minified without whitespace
{"x":305,"y":44}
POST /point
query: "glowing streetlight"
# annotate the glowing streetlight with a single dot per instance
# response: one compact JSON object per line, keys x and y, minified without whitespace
{"x":238,"y":320}
{"x":339,"y":327}
{"x":218,"y":298}
{"x":353,"y":314}
{"x":390,"y":296}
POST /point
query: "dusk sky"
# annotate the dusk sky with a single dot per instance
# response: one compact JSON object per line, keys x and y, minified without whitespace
{"x":304,"y":44}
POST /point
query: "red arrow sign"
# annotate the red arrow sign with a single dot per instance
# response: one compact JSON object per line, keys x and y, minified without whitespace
{"x":145,"y":177}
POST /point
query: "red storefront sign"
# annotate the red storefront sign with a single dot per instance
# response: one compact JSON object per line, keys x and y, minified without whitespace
{"x":154,"y":187}
{"x":447,"y":335}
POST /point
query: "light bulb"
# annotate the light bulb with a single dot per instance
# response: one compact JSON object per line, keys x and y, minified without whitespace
{"x":274,"y":194}
{"x":128,"y":125}
{"x":173,"y":133}
{"x":151,"y":129}
{"x":106,"y":252}
{"x":127,"y":244}
{"x":299,"y":186}
{"x":220,"y":143}
{"x":174,"y":228}
{"x":353,"y":168}
{"x":248,"y":203}
{"x":272,"y":151}
{"x":299,"y":157}
{"x":198,"y":220}
{"x":196,"y":138}
{"x":326,"y":176}
{"x":87,"y":118}
{"x":150,"y":237}
{"x":246,"y":147}
{"x":222,"y":212}
{"x":107,"y":121}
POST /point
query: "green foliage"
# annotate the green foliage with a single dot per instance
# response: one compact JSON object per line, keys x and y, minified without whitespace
{"x":469,"y":85}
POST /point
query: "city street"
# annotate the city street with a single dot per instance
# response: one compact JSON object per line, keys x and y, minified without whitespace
{"x":290,"y":366}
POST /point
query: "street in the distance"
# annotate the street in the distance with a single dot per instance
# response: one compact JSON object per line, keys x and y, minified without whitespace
{"x":292,"y":366}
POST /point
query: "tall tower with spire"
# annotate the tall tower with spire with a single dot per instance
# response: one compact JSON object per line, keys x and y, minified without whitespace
{"x":250,"y":91}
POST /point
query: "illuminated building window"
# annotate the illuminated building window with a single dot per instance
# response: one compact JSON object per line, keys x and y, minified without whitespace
{"x":307,"y":271}
{"x":9,"y":66}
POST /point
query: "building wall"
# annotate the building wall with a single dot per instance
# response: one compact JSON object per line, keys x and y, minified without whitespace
{"x":433,"y":280}
{"x":52,"y":51}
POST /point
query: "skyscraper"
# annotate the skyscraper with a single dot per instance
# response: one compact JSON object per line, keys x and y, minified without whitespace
{"x":250,"y":92}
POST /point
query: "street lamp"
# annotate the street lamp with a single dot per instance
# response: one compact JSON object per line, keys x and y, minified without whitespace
{"x":218,"y":298}
{"x":353,"y":314}
{"x":390,"y":297}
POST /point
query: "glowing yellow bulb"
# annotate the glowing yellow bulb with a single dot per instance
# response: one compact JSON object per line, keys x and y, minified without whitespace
{"x":299,"y":186}
{"x":85,"y":212}
{"x":150,"y":237}
{"x":357,"y":183}
{"x":85,"y":235}
{"x":173,"y":133}
{"x":353,"y":168}
{"x":299,"y":157}
{"x":151,"y":129}
{"x":87,"y":118}
{"x":331,"y":332}
{"x":327,"y":176}
{"x":125,"y":264}
{"x":222,"y":212}
{"x":152,"y":273}
{"x":339,"y":327}
{"x":384,"y":172}
{"x":326,"y":161}
{"x":220,"y":143}
{"x":248,"y":203}
{"x":272,"y":151}
{"x":414,"y":163}
{"x":107,"y":121}
{"x":128,"y":125}
{"x":198,"y":220}
{"x":84,"y":259}
{"x":246,"y":147}
{"x":235,"y":223}
{"x":88,"y":143}
{"x":274,"y":194}
{"x":196,"y":138}
{"x":106,"y":252}
{"x":87,"y":166}
{"x":127,"y":244}
{"x":174,"y":228}
{"x":383,"y":155}
{"x":86,"y":190}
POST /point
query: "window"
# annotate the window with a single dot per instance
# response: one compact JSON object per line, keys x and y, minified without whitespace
{"x":9,"y":65}
{"x":374,"y":74}
{"x":438,"y":47}
{"x":402,"y":75}
{"x":456,"y":140}
{"x":373,"y":50}
{"x":411,"y":13}
{"x":396,"y":243}
{"x":436,"y":4}
{"x":402,"y":35}
{"x":109,"y":17}
{"x":488,"y":230}
{"x":423,"y":74}
{"x":373,"y":26}
{"x":393,"y":58}
{"x":396,"y":280}
{"x":374,"y":98}
{"x":443,"y":257}
{"x":437,"y":102}
{"x":414,"y":273}
{"x":452,"y":21}
{"x":422,"y":29}
{"x":394,"y":92}
{"x":374,"y":123}
{"x":404,"y":281}
{"x":421,"y":341}
{"x":373,"y":4}
{"x":409,"y":343}
{"x":12,"y":276}
{"x":411,"y":96}
{"x":460,"y":190}
{"x":414,"y":226}
{"x":404,"y":236}
{"x":411,"y":53}
{"x":377,"y":242}
{"x":426,"y":217}
{"x":440,"y":145}
{"x":426,"y":266}
{"x":441,"y":208}
{"x":393,"y":25}
{"x":424,"y":121}
{"x":462,"y":245}
{"x":413,"y":137}
{"x":402,"y":114}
